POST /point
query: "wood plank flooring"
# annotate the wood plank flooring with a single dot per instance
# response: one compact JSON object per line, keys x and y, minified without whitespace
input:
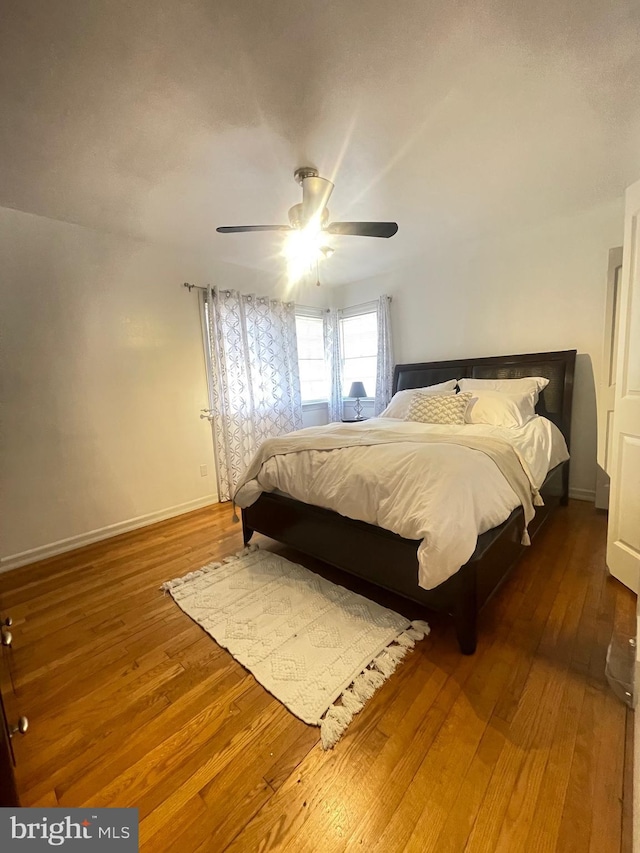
{"x":521,"y":747}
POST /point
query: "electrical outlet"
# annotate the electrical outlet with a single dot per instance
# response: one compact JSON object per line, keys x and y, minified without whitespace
{"x":203,"y":471}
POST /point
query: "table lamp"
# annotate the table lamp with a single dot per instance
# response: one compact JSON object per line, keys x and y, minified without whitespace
{"x":357,"y":391}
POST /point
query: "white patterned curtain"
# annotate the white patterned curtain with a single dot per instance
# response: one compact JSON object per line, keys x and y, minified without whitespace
{"x":333,"y":358}
{"x":255,"y":381}
{"x":384,"y":367}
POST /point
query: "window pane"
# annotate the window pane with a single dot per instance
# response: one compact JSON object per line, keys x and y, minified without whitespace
{"x":313,"y":369}
{"x":314,"y":384}
{"x":359,"y":335}
{"x":316,"y":390}
{"x":360,"y":348}
{"x":309,"y":331}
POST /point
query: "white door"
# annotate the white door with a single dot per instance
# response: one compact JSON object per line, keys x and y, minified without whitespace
{"x":607,"y":388}
{"x":623,"y":543}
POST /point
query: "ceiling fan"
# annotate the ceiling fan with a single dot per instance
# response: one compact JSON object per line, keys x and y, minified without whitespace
{"x":312,"y":213}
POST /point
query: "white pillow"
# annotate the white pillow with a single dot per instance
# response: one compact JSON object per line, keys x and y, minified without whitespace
{"x":523,"y":385}
{"x":401,"y":400}
{"x":500,"y":409}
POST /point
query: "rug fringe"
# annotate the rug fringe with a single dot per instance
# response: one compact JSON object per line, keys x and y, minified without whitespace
{"x":406,"y":641}
{"x":210,"y":567}
{"x":352,"y":700}
{"x":421,"y":628}
{"x":334,"y":723}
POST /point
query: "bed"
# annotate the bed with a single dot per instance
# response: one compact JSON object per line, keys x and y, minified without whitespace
{"x":367,"y":550}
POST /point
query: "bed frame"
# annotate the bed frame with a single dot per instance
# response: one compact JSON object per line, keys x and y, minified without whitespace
{"x":388,"y":560}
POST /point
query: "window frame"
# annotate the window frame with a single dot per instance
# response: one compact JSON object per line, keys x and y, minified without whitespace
{"x":357,"y":311}
{"x":318,"y":314}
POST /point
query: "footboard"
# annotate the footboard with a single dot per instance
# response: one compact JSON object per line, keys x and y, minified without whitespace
{"x":389,"y":561}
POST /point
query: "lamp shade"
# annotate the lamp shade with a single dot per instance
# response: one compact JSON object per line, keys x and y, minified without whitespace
{"x":357,"y":390}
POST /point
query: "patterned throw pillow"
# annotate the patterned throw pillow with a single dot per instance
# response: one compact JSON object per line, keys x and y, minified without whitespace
{"x":437,"y":409}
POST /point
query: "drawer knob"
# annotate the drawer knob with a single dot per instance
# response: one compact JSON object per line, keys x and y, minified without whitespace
{"x":7,"y":636}
{"x":21,"y":728}
{"x":8,"y":621}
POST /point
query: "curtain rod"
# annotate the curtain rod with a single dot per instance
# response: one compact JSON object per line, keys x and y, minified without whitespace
{"x":368,"y":302}
{"x":191,"y":287}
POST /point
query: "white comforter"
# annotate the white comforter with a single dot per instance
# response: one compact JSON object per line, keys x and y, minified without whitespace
{"x":442,"y":494}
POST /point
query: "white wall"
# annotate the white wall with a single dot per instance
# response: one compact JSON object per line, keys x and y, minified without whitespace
{"x":103,"y":378}
{"x":103,"y":374}
{"x":528,"y":291}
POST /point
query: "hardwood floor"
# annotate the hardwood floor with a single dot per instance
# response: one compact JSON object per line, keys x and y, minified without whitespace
{"x":522,"y":747}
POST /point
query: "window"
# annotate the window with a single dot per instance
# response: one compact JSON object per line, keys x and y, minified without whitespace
{"x":358,"y":344}
{"x":314,"y":383}
{"x":359,"y":333}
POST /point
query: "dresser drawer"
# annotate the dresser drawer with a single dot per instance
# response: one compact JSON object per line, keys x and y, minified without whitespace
{"x":8,"y":793}
{"x":6,"y":659}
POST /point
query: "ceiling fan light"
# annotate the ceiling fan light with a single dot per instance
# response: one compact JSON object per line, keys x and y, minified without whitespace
{"x":303,"y":248}
{"x":317,"y":221}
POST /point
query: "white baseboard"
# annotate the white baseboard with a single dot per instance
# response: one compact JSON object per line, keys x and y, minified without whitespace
{"x":582,"y":494}
{"x":42,"y":552}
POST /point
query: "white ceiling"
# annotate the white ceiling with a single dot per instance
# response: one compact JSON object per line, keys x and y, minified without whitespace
{"x":163,"y":119}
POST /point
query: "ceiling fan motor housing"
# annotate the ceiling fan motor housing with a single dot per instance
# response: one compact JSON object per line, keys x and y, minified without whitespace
{"x":298,"y":218}
{"x":305,"y":172}
{"x":316,"y":192}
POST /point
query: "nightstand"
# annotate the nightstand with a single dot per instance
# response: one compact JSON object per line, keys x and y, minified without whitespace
{"x":353,"y":420}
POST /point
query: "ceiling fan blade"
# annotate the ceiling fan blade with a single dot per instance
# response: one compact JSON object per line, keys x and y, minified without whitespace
{"x":238,"y":229}
{"x":316,"y":193}
{"x":363,"y":229}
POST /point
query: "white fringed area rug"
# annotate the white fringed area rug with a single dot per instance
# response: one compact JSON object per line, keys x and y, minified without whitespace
{"x":318,"y":648}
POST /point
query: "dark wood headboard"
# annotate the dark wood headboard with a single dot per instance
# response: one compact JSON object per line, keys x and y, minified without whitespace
{"x":557,"y":367}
